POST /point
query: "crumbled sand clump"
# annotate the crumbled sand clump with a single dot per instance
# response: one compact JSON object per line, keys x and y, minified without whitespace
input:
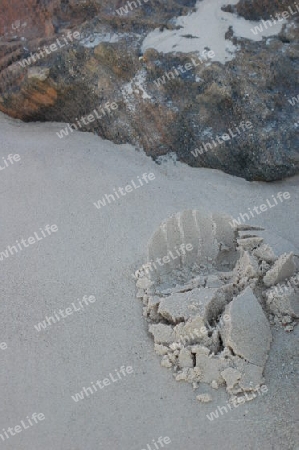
{"x":204,"y":398}
{"x":210,"y":309}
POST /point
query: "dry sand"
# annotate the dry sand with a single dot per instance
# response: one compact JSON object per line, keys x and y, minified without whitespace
{"x":95,"y":252}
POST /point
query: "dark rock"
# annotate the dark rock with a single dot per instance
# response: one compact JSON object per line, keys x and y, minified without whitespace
{"x":176,"y":116}
{"x":258,"y":9}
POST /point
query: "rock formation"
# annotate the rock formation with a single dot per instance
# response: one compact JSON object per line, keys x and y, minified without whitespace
{"x":200,"y":109}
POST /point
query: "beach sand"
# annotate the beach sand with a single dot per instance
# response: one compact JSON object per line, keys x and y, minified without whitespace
{"x":95,"y":252}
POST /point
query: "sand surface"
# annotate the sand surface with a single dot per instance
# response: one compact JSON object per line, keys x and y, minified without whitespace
{"x":95,"y":252}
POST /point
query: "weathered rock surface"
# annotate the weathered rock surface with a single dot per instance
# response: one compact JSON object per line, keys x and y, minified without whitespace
{"x":256,"y":9}
{"x":178,"y":116}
